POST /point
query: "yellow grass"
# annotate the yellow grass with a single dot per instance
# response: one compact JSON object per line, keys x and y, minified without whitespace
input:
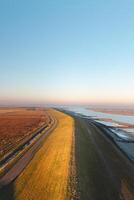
{"x":46,"y":177}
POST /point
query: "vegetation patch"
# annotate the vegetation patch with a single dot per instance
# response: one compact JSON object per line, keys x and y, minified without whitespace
{"x":46,"y":176}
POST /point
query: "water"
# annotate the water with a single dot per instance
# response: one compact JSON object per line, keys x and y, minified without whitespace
{"x":111,"y":124}
{"x":90,"y":113}
{"x":129,"y":130}
{"x":123,"y":133}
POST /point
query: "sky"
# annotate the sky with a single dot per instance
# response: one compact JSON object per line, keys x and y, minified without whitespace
{"x":66,"y":52}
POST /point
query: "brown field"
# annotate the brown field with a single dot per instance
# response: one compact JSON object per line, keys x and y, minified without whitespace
{"x":47,"y":175}
{"x":117,"y":111}
{"x":17,"y":124}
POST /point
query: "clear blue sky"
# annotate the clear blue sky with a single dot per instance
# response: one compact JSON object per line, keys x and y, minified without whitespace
{"x":66,"y":51}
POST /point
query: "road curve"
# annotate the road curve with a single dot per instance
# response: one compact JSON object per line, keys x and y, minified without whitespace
{"x":22,"y":162}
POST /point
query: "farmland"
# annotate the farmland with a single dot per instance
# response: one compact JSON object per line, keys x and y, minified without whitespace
{"x":47,"y":175}
{"x":75,"y":160}
{"x":16,"y":124}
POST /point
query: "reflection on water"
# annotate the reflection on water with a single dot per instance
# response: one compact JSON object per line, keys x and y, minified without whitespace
{"x":118,"y":118}
{"x":115,"y":117}
{"x":129,"y":130}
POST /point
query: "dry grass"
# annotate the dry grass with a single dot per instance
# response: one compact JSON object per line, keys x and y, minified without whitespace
{"x":17,"y":124}
{"x":46,"y":177}
{"x":125,"y":191}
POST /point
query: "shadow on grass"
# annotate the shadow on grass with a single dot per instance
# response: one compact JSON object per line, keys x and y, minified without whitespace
{"x":7,"y":192}
{"x":98,"y":179}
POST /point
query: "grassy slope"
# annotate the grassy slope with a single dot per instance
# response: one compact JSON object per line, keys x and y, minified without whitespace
{"x":46,"y":177}
{"x":92,"y":177}
{"x":96,"y":181}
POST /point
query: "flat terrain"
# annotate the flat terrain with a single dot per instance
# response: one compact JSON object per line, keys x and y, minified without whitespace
{"x":116,"y":111}
{"x":47,"y":175}
{"x":128,"y":112}
{"x":103,"y":172}
{"x":17,"y":124}
{"x":121,"y":124}
{"x":76,"y":161}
